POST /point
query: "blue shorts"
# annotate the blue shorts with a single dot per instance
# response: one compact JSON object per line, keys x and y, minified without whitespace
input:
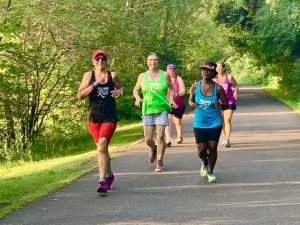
{"x":156,"y":119}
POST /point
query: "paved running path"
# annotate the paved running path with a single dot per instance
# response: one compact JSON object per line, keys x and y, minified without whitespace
{"x":259,"y":179}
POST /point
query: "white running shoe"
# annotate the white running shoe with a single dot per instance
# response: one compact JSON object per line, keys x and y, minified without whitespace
{"x":227,"y":144}
{"x":223,"y":142}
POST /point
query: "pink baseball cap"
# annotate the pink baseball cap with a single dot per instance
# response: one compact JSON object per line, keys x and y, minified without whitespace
{"x":209,"y":65}
{"x":97,"y":53}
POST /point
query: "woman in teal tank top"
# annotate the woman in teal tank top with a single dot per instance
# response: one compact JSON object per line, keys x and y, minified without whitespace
{"x":207,"y":97}
{"x":155,"y":106}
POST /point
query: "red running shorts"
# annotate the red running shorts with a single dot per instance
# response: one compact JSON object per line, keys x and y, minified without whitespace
{"x":102,"y":130}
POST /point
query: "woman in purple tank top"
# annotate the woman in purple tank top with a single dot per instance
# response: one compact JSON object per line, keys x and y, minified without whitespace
{"x":177,"y":112}
{"x":227,"y":81}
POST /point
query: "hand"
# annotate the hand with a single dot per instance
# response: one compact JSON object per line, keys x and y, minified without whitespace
{"x":173,"y":104}
{"x":235,"y":95}
{"x":193,"y":105}
{"x":99,"y":80}
{"x":217,"y":103}
{"x":116,"y":93}
{"x":138,"y":102}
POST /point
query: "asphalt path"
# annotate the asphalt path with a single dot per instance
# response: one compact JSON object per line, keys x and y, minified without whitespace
{"x":259,"y":179}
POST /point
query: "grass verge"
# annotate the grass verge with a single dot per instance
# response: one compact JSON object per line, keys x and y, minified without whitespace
{"x":24,"y":182}
{"x":292,"y":103}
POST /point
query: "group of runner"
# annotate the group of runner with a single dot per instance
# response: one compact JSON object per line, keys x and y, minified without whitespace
{"x":162,"y":100}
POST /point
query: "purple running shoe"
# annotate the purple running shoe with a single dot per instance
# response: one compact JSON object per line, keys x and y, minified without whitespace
{"x":102,"y":188}
{"x":109,"y":181}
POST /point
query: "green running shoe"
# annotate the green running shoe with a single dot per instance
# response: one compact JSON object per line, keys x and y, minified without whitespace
{"x":203,"y":171}
{"x":212,"y":177}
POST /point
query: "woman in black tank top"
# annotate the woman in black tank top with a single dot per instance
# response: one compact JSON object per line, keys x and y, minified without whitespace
{"x":101,"y":87}
{"x":102,"y":105}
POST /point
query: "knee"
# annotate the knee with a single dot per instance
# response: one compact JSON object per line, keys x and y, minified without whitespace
{"x":213,"y":152}
{"x":102,"y":145}
{"x":227,"y":120}
{"x":160,"y":139}
{"x":148,"y":140}
{"x":201,"y":151}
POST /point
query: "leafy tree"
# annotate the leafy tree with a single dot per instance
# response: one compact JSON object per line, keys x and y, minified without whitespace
{"x":46,"y":46}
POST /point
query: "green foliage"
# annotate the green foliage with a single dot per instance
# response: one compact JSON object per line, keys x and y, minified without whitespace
{"x":46,"y":46}
{"x":271,"y":39}
{"x":276,"y":35}
{"x":296,"y":79}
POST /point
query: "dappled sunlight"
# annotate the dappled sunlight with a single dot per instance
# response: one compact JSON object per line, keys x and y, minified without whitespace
{"x":244,"y":95}
{"x":276,"y":160}
{"x":30,"y":168}
{"x":276,"y":139}
{"x":254,"y":147}
{"x":166,"y":173}
{"x":247,"y":204}
{"x":207,"y":221}
{"x":186,"y":221}
{"x":276,"y":113}
{"x":215,"y":186}
{"x":245,"y":88}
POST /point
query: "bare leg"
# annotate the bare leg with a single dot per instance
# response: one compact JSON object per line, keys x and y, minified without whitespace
{"x":223,"y":128}
{"x":227,"y":116}
{"x":161,"y":143}
{"x":202,"y":152}
{"x":103,"y":158}
{"x":179,"y":126}
{"x":148,"y":133}
{"x":212,"y":156}
{"x":168,"y":130}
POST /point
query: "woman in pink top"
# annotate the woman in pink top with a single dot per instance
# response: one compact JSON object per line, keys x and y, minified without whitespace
{"x":227,"y":81}
{"x":177,"y":112}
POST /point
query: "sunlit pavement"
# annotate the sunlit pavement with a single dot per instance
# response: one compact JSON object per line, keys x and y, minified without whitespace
{"x":259,"y":179}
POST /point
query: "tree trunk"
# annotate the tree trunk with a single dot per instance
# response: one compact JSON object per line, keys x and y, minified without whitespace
{"x":10,"y":131}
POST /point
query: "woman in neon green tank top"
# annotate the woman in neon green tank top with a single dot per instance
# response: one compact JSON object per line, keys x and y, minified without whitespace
{"x":155,"y":106}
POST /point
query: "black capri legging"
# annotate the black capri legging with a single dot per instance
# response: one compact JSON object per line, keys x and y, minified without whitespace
{"x":203,"y":135}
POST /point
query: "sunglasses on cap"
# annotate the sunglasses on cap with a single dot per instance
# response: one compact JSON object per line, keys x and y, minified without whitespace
{"x":100,"y":56}
{"x":171,"y":66}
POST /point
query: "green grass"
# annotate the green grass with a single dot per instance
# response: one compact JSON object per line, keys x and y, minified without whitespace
{"x":24,"y":182}
{"x":58,"y":145}
{"x":292,"y":103}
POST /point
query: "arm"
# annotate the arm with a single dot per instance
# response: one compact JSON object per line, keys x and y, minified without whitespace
{"x":118,"y":85}
{"x":170,"y":85}
{"x":182,"y":89}
{"x":136,"y":90}
{"x":235,"y":85}
{"x":85,"y":87}
{"x":222,"y":96}
{"x":192,"y":96}
{"x":171,"y":88}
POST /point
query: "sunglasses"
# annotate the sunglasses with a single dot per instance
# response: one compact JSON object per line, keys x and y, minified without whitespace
{"x":100,"y":56}
{"x":171,"y":66}
{"x":206,"y":69}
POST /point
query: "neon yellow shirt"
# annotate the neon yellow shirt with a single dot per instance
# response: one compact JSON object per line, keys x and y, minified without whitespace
{"x":155,"y":94}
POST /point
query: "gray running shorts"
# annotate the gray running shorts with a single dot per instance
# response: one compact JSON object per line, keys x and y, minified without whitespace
{"x":156,"y":119}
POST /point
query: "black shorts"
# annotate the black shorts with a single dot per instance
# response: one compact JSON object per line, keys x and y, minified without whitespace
{"x":232,"y":106}
{"x":210,"y":134}
{"x":178,"y":112}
